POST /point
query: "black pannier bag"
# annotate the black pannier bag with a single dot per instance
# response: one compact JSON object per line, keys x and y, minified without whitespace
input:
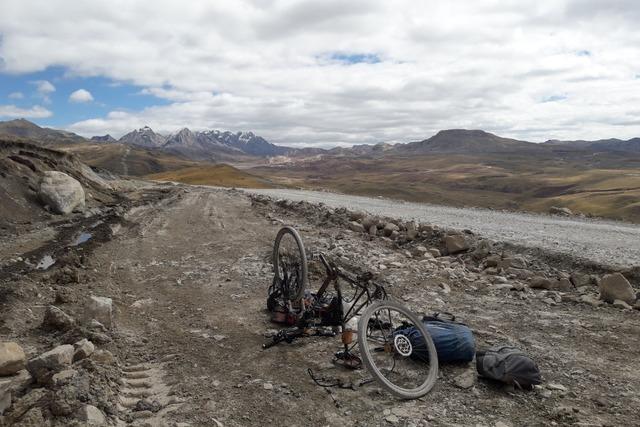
{"x":508,"y":365}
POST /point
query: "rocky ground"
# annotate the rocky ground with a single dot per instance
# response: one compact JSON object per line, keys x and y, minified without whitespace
{"x":180,"y":274}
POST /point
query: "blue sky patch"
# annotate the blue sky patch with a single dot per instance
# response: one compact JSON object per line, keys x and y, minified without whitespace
{"x":29,"y":90}
{"x":554,"y":98}
{"x":355,"y":58}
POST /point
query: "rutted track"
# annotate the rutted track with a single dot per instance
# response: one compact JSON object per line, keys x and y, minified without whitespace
{"x":605,"y":242}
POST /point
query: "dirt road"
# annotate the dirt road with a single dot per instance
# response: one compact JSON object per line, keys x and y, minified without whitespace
{"x":189,"y":273}
{"x":198,"y":265}
{"x":606,"y":242}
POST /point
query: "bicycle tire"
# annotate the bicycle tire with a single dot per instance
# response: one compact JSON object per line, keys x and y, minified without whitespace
{"x":298,"y":293}
{"x":367,"y":358}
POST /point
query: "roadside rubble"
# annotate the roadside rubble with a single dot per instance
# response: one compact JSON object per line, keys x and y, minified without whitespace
{"x":484,"y":262}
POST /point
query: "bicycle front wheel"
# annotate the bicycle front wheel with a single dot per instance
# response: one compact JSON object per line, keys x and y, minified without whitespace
{"x":290,"y":264}
{"x":397,"y":349}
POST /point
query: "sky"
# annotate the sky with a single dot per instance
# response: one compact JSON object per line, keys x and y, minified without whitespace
{"x":325,"y":73}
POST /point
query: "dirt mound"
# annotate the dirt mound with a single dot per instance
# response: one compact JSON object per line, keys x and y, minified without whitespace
{"x":22,"y":165}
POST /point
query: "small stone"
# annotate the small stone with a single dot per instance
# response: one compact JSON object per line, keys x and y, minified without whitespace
{"x":373,"y":230}
{"x":5,"y":402}
{"x":54,"y":318}
{"x":445,"y":288}
{"x":356,"y":226}
{"x":390,"y":228}
{"x":100,"y":309}
{"x":142,"y":303}
{"x":590,"y":299}
{"x":465,"y":380}
{"x":83,"y":349}
{"x":456,"y":243}
{"x":12,"y":358}
{"x":555,"y":386}
{"x":91,"y":416}
{"x":28,"y":401}
{"x":621,"y":304}
{"x":539,"y":282}
{"x":392,"y":419}
{"x":32,"y":418}
{"x":563,"y":285}
{"x":580,"y":279}
{"x":63,"y":377}
{"x":104,"y":357}
{"x":51,"y":362}
{"x":267,"y":386}
{"x":15,"y":383}
{"x":434,"y":252}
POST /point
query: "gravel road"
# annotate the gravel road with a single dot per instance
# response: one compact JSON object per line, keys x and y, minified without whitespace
{"x":607,"y":242}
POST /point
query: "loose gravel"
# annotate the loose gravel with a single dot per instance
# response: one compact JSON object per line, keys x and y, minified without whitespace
{"x":607,"y":242}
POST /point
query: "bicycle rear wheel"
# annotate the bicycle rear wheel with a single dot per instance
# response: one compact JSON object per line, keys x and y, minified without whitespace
{"x":290,"y":264}
{"x":397,"y":349}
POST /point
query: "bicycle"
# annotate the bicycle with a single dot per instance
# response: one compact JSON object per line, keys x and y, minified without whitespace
{"x":394,"y":344}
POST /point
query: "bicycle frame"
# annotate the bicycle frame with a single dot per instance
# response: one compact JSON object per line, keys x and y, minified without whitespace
{"x":363,"y":288}
{"x":366,"y":292}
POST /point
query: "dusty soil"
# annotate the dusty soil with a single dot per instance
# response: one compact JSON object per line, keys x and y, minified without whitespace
{"x":188,"y":269}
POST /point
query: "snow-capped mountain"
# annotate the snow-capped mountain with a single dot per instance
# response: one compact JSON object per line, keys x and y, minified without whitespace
{"x":206,"y":144}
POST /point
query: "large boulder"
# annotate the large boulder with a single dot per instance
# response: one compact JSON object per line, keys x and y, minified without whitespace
{"x":616,"y":287}
{"x":12,"y":358}
{"x":61,"y":192}
{"x":51,"y":362}
{"x":100,"y":309}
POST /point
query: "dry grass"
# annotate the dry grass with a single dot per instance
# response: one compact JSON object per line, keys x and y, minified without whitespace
{"x":606,"y":186}
{"x":218,"y":175}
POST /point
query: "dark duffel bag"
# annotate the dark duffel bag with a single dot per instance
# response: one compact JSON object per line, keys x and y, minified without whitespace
{"x":508,"y":365}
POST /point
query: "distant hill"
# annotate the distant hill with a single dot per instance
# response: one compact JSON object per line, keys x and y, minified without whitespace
{"x":104,"y":138}
{"x":467,"y":141}
{"x":25,"y":129}
{"x":610,"y":145}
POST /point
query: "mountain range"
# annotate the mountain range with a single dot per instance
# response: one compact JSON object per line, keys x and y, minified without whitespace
{"x":216,"y":145}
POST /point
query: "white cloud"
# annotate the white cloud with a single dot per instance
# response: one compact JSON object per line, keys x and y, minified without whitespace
{"x":81,"y":95}
{"x":44,"y":87}
{"x":16,"y":95}
{"x":35,"y":112}
{"x":263,"y":65}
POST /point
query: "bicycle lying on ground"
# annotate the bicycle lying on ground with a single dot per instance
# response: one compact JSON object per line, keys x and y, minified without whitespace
{"x":402,"y":363}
